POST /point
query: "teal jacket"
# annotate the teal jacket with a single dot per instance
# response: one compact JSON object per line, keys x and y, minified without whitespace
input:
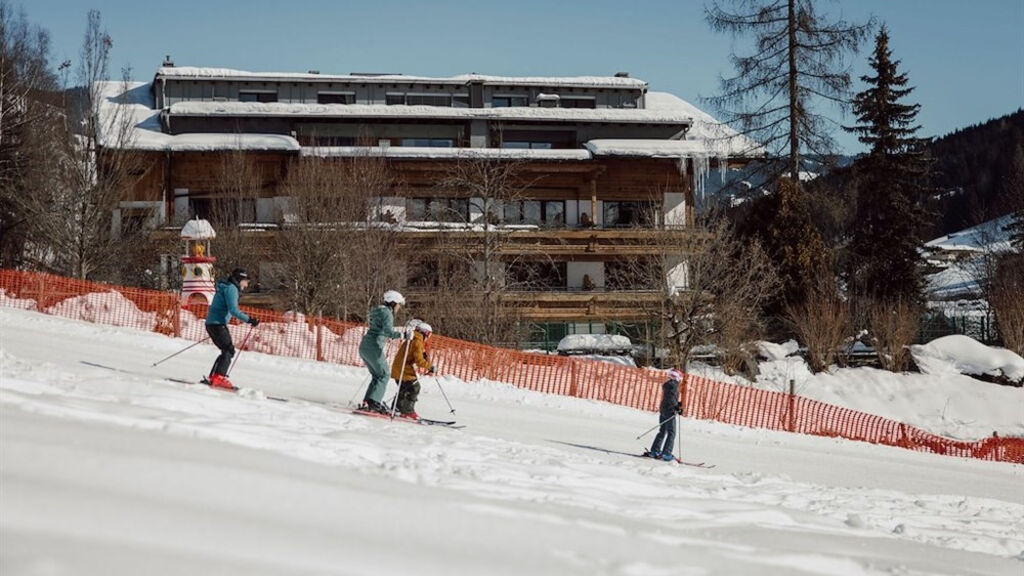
{"x":225,"y":304}
{"x":382,"y":327}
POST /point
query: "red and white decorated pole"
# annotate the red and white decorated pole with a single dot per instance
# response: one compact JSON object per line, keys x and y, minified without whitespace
{"x":197,"y":275}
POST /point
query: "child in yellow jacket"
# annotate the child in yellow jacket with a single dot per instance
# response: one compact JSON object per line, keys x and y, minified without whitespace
{"x":413,"y":352}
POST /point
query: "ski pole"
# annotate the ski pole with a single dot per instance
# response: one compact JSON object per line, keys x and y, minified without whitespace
{"x":405,"y":357}
{"x":240,"y":348}
{"x":450,"y":407}
{"x":656,"y":426}
{"x":361,"y":386}
{"x":189,"y":347}
{"x":679,"y":438}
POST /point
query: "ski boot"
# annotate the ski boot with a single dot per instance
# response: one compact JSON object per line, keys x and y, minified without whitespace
{"x":667,"y":457}
{"x":221,"y":381}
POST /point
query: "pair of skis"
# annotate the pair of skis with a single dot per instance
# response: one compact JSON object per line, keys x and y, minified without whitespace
{"x":647,"y":454}
{"x":421,"y":421}
{"x":233,"y":390}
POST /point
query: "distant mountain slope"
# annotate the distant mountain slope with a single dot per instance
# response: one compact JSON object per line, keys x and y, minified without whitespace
{"x":978,"y":172}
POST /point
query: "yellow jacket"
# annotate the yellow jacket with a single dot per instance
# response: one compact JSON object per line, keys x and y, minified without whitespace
{"x":415,"y":357}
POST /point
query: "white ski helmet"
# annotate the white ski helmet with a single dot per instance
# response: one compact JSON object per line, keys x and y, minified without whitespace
{"x":393,"y":297}
{"x":424,"y":328}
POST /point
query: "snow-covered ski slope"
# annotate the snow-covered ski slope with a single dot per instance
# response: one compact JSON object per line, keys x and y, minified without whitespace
{"x":108,"y":468}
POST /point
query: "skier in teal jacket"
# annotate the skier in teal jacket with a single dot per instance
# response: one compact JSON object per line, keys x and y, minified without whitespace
{"x":223,"y":307}
{"x":381,"y":328}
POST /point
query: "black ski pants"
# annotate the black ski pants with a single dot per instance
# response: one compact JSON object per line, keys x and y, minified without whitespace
{"x":408,"y":393}
{"x":221,"y":337}
{"x":666,"y":434}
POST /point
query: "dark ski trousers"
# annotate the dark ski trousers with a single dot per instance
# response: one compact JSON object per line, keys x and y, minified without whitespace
{"x":666,"y":433}
{"x":222,"y":339}
{"x":408,"y":393}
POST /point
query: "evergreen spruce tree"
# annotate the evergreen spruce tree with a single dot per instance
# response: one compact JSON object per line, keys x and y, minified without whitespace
{"x":783,"y":225}
{"x":886,"y":239}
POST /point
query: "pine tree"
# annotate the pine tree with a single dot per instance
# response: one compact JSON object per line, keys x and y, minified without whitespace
{"x":885,"y":249}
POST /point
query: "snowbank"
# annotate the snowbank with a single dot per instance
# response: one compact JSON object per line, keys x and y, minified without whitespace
{"x":19,"y":303}
{"x":943,"y":400}
{"x":963,"y":355}
{"x":110,"y":308}
{"x":582,"y":343}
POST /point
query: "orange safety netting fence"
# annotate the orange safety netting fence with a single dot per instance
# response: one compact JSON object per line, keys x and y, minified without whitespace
{"x":294,"y":335}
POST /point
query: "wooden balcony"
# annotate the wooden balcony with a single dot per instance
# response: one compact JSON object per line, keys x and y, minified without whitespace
{"x":593,"y":243}
{"x":570,"y":306}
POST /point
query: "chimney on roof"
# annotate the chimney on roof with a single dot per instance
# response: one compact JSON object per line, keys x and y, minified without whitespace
{"x":168,"y":63}
{"x":314,"y":72}
{"x":622,"y":74}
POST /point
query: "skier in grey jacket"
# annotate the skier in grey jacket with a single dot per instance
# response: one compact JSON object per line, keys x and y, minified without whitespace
{"x":382,"y":328}
{"x":662,"y":446}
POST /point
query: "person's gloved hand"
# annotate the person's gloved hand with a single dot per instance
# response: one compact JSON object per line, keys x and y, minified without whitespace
{"x":679,"y":409}
{"x":432,"y":371}
{"x":254,"y":321}
{"x":407,"y":335}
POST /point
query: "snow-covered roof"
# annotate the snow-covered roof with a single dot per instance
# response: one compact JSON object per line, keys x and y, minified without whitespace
{"x":429,"y":153}
{"x":192,"y":72}
{"x":131,"y":105}
{"x":649,"y":148}
{"x":719,"y":139}
{"x":523,"y":113}
{"x":127,"y":119}
{"x":987,"y":236}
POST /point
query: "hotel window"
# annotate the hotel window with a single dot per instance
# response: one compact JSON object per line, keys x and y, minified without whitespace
{"x":394,"y":99}
{"x":437,"y":209}
{"x":444,"y":100}
{"x":575,"y":102}
{"x":536,"y":212}
{"x":536,"y":275}
{"x":318,"y":140}
{"x":527,"y":145}
{"x":428,"y":142}
{"x":508,"y":101}
{"x":627,"y":214}
{"x":335,"y":98}
{"x":460,"y":101}
{"x":257,"y":96}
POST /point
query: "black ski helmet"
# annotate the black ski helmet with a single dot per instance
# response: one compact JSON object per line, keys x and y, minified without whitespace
{"x":238,"y":274}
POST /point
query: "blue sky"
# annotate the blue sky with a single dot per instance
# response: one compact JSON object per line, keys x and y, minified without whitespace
{"x":966,"y":59}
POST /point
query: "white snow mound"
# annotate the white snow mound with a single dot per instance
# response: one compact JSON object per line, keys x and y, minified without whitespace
{"x":956,"y":353}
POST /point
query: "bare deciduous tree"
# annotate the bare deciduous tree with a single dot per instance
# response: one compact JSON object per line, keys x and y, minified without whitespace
{"x":476,"y":268}
{"x":233,"y":209}
{"x":29,"y":119}
{"x":822,"y":321}
{"x":1004,"y":297}
{"x":77,"y":226}
{"x":712,"y":285}
{"x":337,"y":255}
{"x":797,"y":59}
{"x":892,"y":327}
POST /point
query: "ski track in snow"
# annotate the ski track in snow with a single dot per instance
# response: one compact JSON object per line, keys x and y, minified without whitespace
{"x":601,"y":485}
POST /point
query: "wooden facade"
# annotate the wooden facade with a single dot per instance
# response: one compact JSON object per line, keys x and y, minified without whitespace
{"x":592,"y":192}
